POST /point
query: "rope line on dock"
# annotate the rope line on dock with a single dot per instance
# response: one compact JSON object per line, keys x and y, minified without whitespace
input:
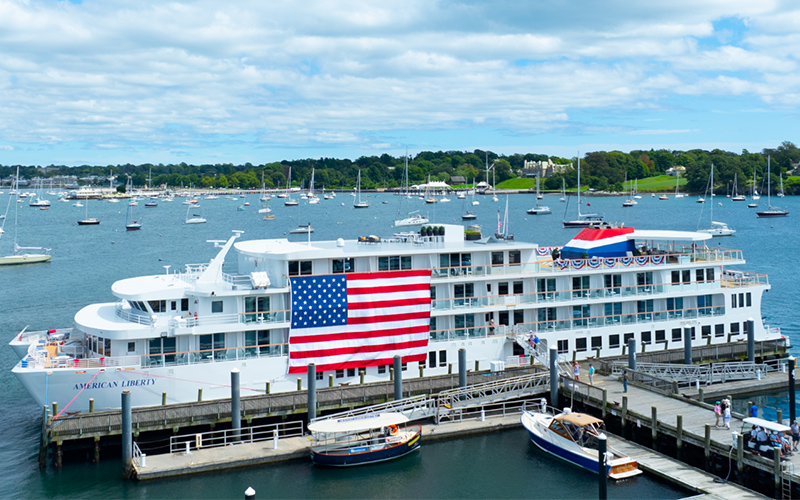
{"x":79,"y":393}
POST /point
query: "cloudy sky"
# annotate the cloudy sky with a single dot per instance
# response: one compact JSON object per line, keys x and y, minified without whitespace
{"x":107,"y":81}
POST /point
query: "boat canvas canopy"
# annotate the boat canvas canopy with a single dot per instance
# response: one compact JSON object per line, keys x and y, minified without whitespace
{"x":579,"y":419}
{"x":600,"y":242}
{"x":359,"y":423}
{"x":760,"y":422}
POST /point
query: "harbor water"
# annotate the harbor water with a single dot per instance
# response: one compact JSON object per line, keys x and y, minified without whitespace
{"x":88,"y":259}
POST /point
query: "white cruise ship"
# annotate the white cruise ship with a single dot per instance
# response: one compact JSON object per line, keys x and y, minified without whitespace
{"x":350,"y":306}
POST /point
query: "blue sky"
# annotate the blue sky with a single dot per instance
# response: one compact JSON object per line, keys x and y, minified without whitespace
{"x":108,"y":82}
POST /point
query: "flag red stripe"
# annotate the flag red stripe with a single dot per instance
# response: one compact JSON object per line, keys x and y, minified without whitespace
{"x":389,"y":303}
{"x":389,"y":274}
{"x":335,"y":337}
{"x":388,"y":317}
{"x":321,"y":353}
{"x":358,"y":364}
{"x":409,"y":287}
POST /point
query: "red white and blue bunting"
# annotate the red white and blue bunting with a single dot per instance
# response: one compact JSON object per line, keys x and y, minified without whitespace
{"x":606,"y":262}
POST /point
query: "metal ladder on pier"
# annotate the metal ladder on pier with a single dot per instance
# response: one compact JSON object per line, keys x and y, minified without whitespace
{"x":787,"y":471}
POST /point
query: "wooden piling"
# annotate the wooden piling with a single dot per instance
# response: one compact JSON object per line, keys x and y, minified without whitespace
{"x":477,"y":365}
{"x":701,"y":396}
{"x":96,"y":450}
{"x":654,"y":424}
{"x":605,"y":403}
{"x":330,"y":380}
{"x":707,"y":447}
{"x":267,"y":388}
{"x":299,"y":384}
{"x":199,"y":395}
{"x":624,"y":414}
{"x":679,"y":432}
{"x":780,"y":416}
{"x":91,"y":405}
{"x":163,"y":399}
{"x":776,"y":469}
{"x":43,"y":442}
{"x":739,"y":454}
{"x":59,"y":455}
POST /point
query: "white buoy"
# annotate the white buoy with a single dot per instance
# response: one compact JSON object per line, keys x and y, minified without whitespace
{"x":249,"y":493}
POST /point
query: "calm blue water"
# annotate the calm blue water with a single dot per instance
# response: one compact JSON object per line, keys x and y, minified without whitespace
{"x":88,"y":259}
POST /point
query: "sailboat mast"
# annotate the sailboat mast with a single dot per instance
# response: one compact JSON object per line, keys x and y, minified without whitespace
{"x":579,"y":184}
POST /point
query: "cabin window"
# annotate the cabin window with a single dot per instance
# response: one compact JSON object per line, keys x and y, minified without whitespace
{"x":733,"y":301}
{"x":580,"y":315}
{"x":216,"y":306}
{"x":432,"y":327}
{"x":519,"y":317}
{"x":108,"y":347}
{"x":131,"y":346}
{"x":403,"y":367}
{"x":158,"y":306}
{"x":394,"y":263}
{"x":676,"y":277}
{"x":558,"y":428}
{"x":563,"y":346}
{"x":184,"y":304}
{"x":514,"y":257}
{"x":675,"y":306}
{"x":734,"y":328}
{"x":613,"y":284}
{"x":705,"y":331}
{"x":710,"y":274}
{"x":351,"y":372}
{"x":687,"y":275}
{"x":704,"y":304}
{"x":749,"y":297}
{"x":719,"y":330}
{"x":257,"y":307}
{"x":381,"y":369}
{"x":463,"y":293}
{"x":442,"y":358}
{"x":209,"y":342}
{"x":580,"y":344}
{"x":502,"y":318}
{"x":339,"y":373}
{"x":432,"y":359}
{"x":613,"y":312}
{"x":700,"y":275}
{"x":597,"y":342}
{"x":644,"y":281}
{"x":613,"y":341}
{"x":159,"y":346}
{"x":645,"y":309}
{"x":661,"y":336}
{"x":502,"y":288}
{"x":173,"y":305}
{"x":626,"y":337}
{"x":319,"y":375}
{"x":300,"y":267}
{"x":676,"y":335}
{"x":546,"y":316}
{"x":580,"y":287}
{"x":741,"y":300}
{"x":343,"y":265}
{"x":498,"y":259}
{"x":545,"y":288}
{"x":465,"y":325}
{"x":646,"y":337}
{"x":518,"y":287}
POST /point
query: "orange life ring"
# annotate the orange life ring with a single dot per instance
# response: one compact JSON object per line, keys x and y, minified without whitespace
{"x":393,"y":429}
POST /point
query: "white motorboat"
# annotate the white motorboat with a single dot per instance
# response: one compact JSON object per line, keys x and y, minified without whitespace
{"x":574,"y":437}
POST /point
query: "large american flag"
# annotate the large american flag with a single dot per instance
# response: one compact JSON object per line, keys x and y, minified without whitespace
{"x":356,"y":320}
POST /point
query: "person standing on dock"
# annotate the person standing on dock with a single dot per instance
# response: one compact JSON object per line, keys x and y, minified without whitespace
{"x":591,"y":374}
{"x":717,"y":413}
{"x":753,"y":409}
{"x":727,"y":417}
{"x":576,"y":371}
{"x":795,"y":434}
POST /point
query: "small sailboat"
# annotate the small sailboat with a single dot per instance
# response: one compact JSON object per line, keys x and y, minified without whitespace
{"x":22,"y":255}
{"x":130,"y":223}
{"x":678,"y":193}
{"x":780,"y":193}
{"x":583,"y":220}
{"x":539,"y":209}
{"x":717,"y":228}
{"x":735,"y":196}
{"x":359,"y":203}
{"x":771,"y":212}
{"x":629,"y":202}
{"x":754,"y":192}
{"x":302,"y":229}
{"x":88,"y":221}
{"x":563,"y":191}
{"x":195,"y":218}
{"x":413,"y":218}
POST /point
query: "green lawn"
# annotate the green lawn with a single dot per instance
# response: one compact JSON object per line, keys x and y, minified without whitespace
{"x":659,"y":183}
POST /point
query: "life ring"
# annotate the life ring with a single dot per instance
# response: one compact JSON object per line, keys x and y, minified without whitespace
{"x":393,"y":429}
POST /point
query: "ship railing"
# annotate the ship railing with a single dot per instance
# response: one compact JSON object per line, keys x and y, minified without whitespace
{"x":732,"y":278}
{"x":33,"y":337}
{"x":139,"y":458}
{"x":653,"y":257}
{"x":255,"y":318}
{"x":221,"y":354}
{"x":133,"y":315}
{"x":215,"y":439}
{"x":43,"y":360}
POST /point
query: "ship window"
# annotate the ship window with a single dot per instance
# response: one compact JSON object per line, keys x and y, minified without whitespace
{"x":381,"y":369}
{"x":597,"y":342}
{"x":320,"y":375}
{"x":173,"y":305}
{"x":563,"y":346}
{"x":158,"y":305}
{"x":580,"y":344}
{"x":216,"y":306}
{"x":503,"y":318}
{"x":719,"y":330}
{"x":613,"y":312}
{"x":497,"y":259}
{"x":706,"y":331}
{"x":108,"y":347}
{"x":741,"y":300}
{"x":299,"y":267}
{"x":514,"y":257}
{"x":339,"y":373}
{"x":613,"y":341}
{"x":613,"y":283}
{"x":676,"y":277}
{"x":749,"y":299}
{"x":734,"y":328}
{"x":403,"y":367}
{"x":517,"y":287}
{"x":580,"y":314}
{"x":644,"y":280}
{"x":432,"y":359}
{"x":646,"y":337}
{"x":710,"y":274}
{"x":405,"y":262}
{"x":676,"y":335}
{"x":580,"y":286}
{"x":558,"y":428}
{"x":184,"y":304}
{"x":257,"y":306}
{"x":626,"y":337}
{"x":675,"y":304}
{"x":733,"y":301}
{"x":502,"y":288}
{"x":343,"y":265}
{"x":519,"y":317}
{"x":704,"y":304}
{"x":442,"y":358}
{"x":661,"y":336}
{"x":131,"y":346}
{"x":351,"y":372}
{"x":699,"y":275}
{"x":687,"y":276}
{"x":545,"y":288}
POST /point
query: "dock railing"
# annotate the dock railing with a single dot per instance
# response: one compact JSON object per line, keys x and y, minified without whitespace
{"x":656,"y":374}
{"x":215,"y":439}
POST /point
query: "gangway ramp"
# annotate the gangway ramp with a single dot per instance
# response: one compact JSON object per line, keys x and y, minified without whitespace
{"x":415,"y":408}
{"x":491,"y":392}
